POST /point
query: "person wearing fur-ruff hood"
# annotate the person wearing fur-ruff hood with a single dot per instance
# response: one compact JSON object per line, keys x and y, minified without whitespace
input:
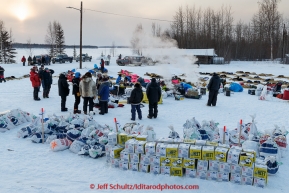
{"x":87,"y":89}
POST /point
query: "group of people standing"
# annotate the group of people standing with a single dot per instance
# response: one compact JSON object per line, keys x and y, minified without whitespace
{"x":38,"y":77}
{"x":43,"y":60}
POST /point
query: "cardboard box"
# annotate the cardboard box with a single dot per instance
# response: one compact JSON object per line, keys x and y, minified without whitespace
{"x":223,"y":177}
{"x":213,"y":165}
{"x":161,"y":149}
{"x":139,"y":147}
{"x":251,"y":151}
{"x":165,"y":170}
{"x":131,"y":136}
{"x":202,"y":165}
{"x":246,"y":159}
{"x":190,"y":141}
{"x":177,"y":171}
{"x":212,"y":143}
{"x":124,"y":156}
{"x":208,"y":153}
{"x":189,"y":163}
{"x":121,"y":139}
{"x":142,"y":137}
{"x":259,"y":182}
{"x":134,"y":158}
{"x":133,"y":166}
{"x":155,"y":169}
{"x":184,"y":150}
{"x":260,"y":171}
{"x":233,"y":156}
{"x":112,"y":138}
{"x":191,"y":173}
{"x":195,"y":152}
{"x":115,"y":152}
{"x":248,"y":171}
{"x":144,"y":168}
{"x":144,"y":159}
{"x":235,"y":168}
{"x":202,"y":174}
{"x":236,"y":178}
{"x":172,"y":150}
{"x":246,"y":180}
{"x":177,"y":162}
{"x":165,"y":161}
{"x":123,"y":165}
{"x":115,"y":162}
{"x":155,"y":160}
{"x":129,"y":145}
{"x":224,"y":167}
{"x":221,"y":154}
{"x":212,"y":175}
{"x":150,"y":148}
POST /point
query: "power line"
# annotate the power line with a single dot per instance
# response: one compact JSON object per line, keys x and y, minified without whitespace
{"x":128,"y":15}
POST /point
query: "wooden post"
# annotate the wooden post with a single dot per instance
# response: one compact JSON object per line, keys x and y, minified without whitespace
{"x":116,"y":127}
{"x":224,"y":133}
{"x":240,"y":132}
{"x":42,"y":121}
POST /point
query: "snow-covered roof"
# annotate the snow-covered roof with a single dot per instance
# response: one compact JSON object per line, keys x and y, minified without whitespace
{"x":200,"y":52}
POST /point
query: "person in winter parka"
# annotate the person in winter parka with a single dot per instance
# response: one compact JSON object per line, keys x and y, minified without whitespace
{"x":23,"y":60}
{"x":75,"y":91}
{"x":136,"y":98}
{"x":102,"y":65}
{"x":34,"y":60}
{"x":154,"y":93}
{"x":46,"y":81}
{"x":63,"y":90}
{"x":87,"y":89}
{"x":213,"y":87}
{"x":35,"y":80}
{"x":103,"y":94}
{"x":29,"y":61}
{"x":2,"y":74}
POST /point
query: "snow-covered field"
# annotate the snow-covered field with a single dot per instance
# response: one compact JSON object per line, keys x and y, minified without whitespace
{"x":35,"y":168}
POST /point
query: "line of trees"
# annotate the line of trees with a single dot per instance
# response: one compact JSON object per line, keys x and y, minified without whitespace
{"x":7,"y":52}
{"x":264,"y":37}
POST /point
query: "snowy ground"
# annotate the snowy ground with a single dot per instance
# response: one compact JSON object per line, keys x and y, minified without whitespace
{"x":35,"y":168}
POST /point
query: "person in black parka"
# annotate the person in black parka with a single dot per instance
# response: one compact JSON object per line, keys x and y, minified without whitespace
{"x":46,"y":81}
{"x":154,"y":93}
{"x":136,"y":98}
{"x":75,"y":91}
{"x":63,"y":90}
{"x":213,"y":87}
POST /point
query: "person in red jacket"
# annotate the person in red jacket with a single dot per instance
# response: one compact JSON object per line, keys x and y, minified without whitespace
{"x":35,"y":80}
{"x":23,"y":60}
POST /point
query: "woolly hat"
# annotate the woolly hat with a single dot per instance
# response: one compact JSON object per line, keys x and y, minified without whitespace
{"x":137,"y":85}
{"x":46,"y":69}
{"x":154,"y":80}
{"x":77,"y":75}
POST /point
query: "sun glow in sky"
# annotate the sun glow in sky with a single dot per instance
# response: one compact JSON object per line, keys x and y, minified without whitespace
{"x":20,"y":11}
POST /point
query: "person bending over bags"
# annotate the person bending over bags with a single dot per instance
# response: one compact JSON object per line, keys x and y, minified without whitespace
{"x":136,"y":98}
{"x":213,"y":87}
{"x":87,"y":89}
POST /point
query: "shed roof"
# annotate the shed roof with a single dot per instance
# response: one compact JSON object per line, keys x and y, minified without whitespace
{"x":200,"y":52}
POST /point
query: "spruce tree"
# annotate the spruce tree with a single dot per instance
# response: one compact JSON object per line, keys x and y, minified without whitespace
{"x":74,"y":52}
{"x":59,"y":41}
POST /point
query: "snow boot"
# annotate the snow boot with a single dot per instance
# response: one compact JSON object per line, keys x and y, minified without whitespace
{"x":76,"y":111}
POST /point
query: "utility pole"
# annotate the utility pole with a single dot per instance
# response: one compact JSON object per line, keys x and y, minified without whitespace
{"x":80,"y":46}
{"x":283,"y":44}
{"x":80,"y":59}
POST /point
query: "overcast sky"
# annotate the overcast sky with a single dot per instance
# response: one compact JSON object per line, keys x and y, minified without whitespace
{"x":30,"y":18}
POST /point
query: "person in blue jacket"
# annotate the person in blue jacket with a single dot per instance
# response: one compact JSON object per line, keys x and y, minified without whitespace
{"x":118,"y":79}
{"x":103,"y":94}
